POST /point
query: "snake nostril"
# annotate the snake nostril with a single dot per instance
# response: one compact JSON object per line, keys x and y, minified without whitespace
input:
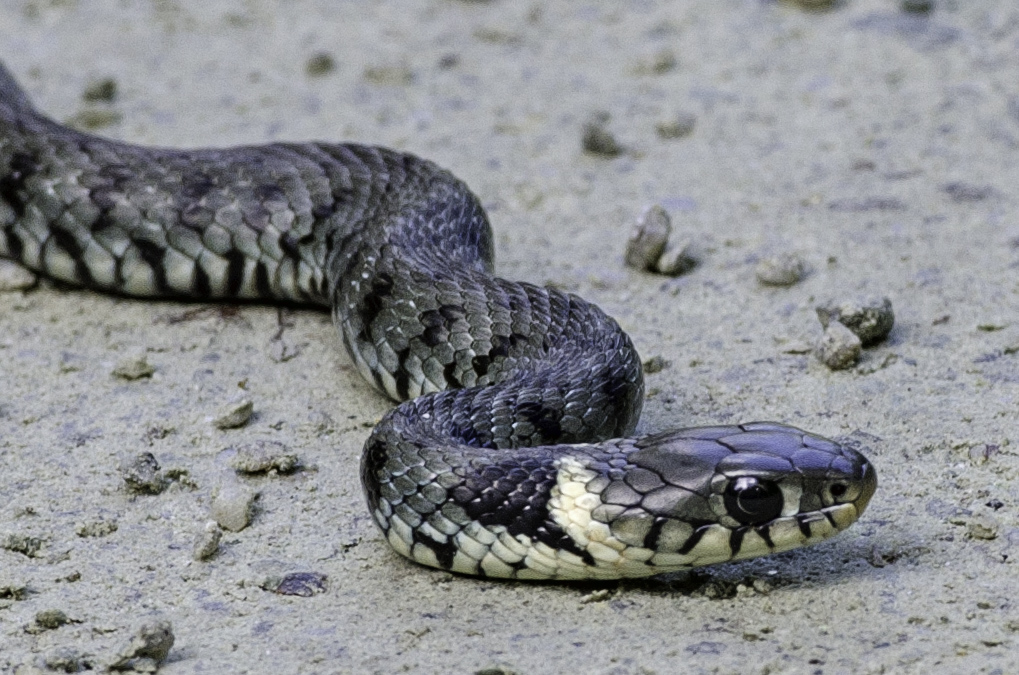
{"x":838,"y":490}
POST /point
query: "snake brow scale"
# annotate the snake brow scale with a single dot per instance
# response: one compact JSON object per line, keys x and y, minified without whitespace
{"x":509,"y":455}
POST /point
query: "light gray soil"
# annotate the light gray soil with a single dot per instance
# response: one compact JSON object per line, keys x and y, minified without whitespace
{"x":882,"y":148}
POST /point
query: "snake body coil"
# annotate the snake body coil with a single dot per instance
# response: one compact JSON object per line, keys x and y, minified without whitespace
{"x":498,"y":463}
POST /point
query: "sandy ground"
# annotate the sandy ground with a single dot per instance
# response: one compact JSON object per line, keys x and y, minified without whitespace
{"x":880,"y":147}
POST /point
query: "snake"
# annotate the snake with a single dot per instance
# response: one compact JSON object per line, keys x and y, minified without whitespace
{"x":511,"y":451}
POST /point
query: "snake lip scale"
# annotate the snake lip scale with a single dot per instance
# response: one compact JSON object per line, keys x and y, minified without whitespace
{"x":510,"y":454}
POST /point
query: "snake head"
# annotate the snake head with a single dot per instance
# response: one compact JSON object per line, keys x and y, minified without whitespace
{"x":713,"y":494}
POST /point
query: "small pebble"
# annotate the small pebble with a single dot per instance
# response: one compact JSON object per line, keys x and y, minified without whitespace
{"x":142,"y":475}
{"x":263,"y":456}
{"x":447,"y":61}
{"x":495,"y":670}
{"x":982,"y":526}
{"x":394,"y":75}
{"x":96,"y":528}
{"x":655,"y":364}
{"x":871,"y":318}
{"x":648,"y":238}
{"x":234,"y":415}
{"x":48,"y":619}
{"x":966,"y":192}
{"x":232,"y":506}
{"x":677,"y":259}
{"x":796,"y":346}
{"x":71,"y":363}
{"x":14,"y":277}
{"x":917,"y":6}
{"x":100,"y":91}
{"x":648,"y":248}
{"x":784,"y":269}
{"x":133,"y":367}
{"x":147,"y":649}
{"x":67,"y":660}
{"x":679,"y":126}
{"x":26,"y":545}
{"x":599,"y":595}
{"x":207,"y":542}
{"x":597,"y":139}
{"x":661,"y":62}
{"x":320,"y":64}
{"x":302,"y":584}
{"x":12,"y":590}
{"x":816,"y":4}
{"x":839,"y":347}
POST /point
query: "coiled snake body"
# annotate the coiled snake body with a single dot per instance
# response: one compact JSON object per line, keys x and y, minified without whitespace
{"x":499,"y":461}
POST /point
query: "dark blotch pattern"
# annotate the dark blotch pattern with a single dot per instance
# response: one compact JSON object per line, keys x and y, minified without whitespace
{"x":402,"y":253}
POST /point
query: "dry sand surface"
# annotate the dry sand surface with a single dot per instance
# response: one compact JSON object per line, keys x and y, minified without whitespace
{"x":878,"y":146}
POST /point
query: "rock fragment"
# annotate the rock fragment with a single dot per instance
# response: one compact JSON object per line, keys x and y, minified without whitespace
{"x":100,"y":91}
{"x":815,"y":4}
{"x":597,"y":139}
{"x":655,"y":364}
{"x":133,"y":367}
{"x":47,"y":619}
{"x":677,"y":259}
{"x":982,"y":526}
{"x":917,"y":6}
{"x":303,"y":584}
{"x":680,"y":125}
{"x":839,"y":347}
{"x":319,"y":64}
{"x":234,"y":415}
{"x":870,"y":318}
{"x":784,"y":269}
{"x":96,"y":528}
{"x":391,"y":75}
{"x":68,"y":660}
{"x":207,"y":542}
{"x":11,"y":589}
{"x":661,"y":62}
{"x":648,"y":248}
{"x":142,"y":475}
{"x":232,"y":506}
{"x":648,"y":238}
{"x":26,"y":545}
{"x":966,"y":192}
{"x":147,"y":649}
{"x":263,"y":456}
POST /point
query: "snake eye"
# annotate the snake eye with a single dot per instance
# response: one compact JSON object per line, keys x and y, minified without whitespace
{"x":752,"y":501}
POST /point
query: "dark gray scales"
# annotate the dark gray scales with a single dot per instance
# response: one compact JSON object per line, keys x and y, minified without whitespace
{"x":498,"y":378}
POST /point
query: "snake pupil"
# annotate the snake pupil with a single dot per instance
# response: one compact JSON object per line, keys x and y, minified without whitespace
{"x":752,"y":501}
{"x":838,"y":490}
